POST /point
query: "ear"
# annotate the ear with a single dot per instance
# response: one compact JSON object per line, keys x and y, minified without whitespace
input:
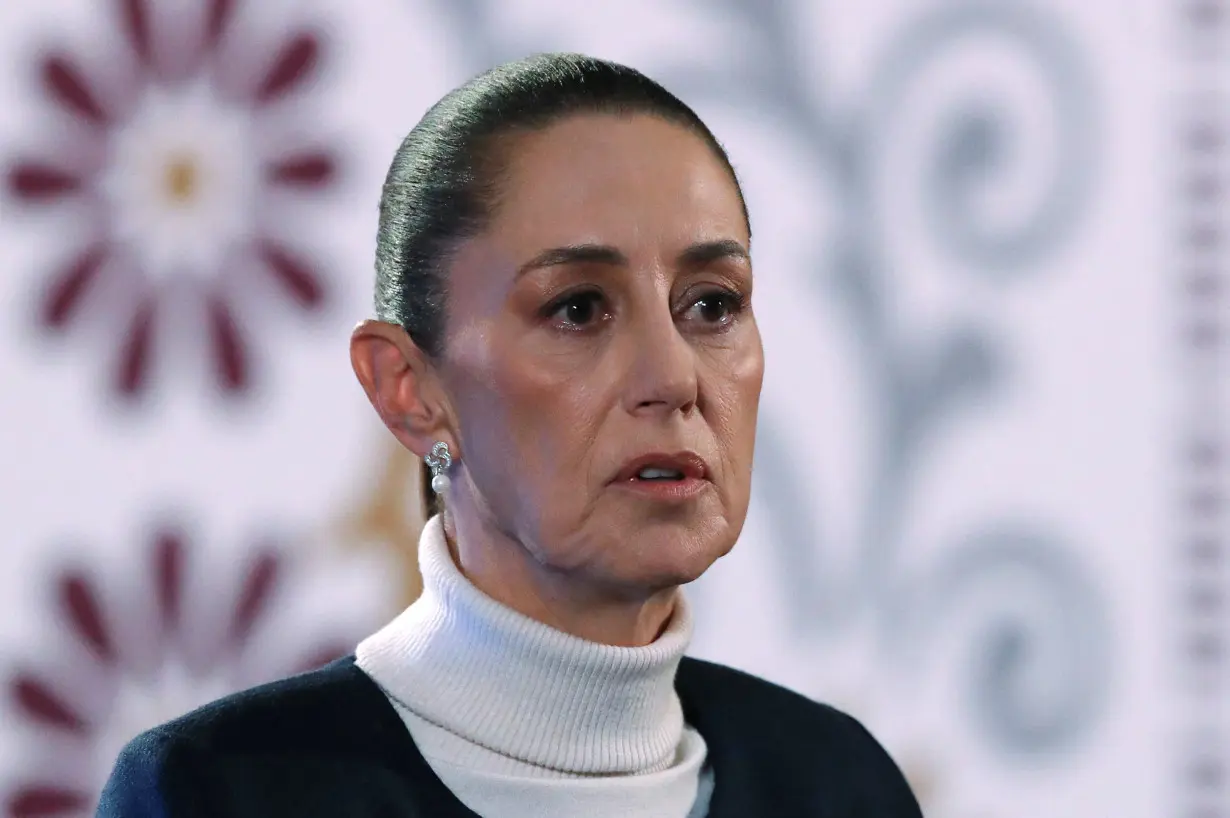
{"x":402,"y":385}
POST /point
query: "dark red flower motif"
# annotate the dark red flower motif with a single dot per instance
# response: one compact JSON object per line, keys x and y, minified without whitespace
{"x":187,"y":160}
{"x":180,"y":656}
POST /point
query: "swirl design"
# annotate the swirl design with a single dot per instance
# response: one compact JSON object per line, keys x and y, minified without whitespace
{"x":976,"y":141}
{"x":439,"y":460}
{"x":1040,"y":658}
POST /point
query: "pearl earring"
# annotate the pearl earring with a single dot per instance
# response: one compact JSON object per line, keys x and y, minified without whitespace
{"x":439,"y":461}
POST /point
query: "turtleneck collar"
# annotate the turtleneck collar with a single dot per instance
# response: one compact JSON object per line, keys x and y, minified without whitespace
{"x":497,"y":679}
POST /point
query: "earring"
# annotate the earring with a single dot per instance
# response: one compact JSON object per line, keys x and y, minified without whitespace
{"x":439,"y":461}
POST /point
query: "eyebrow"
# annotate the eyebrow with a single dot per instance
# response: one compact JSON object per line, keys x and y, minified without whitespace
{"x":695,"y":255}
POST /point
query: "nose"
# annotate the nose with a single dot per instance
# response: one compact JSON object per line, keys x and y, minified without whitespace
{"x":662,"y":376}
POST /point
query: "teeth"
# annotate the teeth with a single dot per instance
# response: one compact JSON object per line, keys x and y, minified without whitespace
{"x":659,"y":474}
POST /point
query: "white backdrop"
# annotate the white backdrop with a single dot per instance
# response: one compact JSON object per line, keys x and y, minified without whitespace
{"x":973,"y":527}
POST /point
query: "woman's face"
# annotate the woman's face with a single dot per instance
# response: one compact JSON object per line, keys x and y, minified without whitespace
{"x":602,"y":323}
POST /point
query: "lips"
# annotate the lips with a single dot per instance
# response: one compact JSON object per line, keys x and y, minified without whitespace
{"x":688,"y":464}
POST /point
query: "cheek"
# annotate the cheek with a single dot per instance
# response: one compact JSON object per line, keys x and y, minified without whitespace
{"x":551,"y":415}
{"x":748,"y":374}
{"x":488,"y":449}
{"x":736,"y":402}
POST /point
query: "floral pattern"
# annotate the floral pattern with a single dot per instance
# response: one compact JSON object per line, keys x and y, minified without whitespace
{"x":178,"y":659}
{"x":185,"y":163}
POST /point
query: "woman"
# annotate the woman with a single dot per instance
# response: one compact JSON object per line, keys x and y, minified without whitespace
{"x":565,"y":335}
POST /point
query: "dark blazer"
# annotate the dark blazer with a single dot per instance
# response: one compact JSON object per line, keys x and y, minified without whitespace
{"x":328,"y":743}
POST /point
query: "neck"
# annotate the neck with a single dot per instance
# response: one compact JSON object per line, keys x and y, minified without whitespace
{"x":505,"y":570}
{"x":485,"y":687}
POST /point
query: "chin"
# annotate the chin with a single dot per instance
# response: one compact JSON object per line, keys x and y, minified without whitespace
{"x":676,"y":555}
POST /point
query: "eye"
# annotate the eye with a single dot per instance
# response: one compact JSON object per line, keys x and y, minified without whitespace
{"x":717,"y":308}
{"x":577,"y":311}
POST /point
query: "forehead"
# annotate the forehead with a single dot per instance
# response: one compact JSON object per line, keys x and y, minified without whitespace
{"x":624,"y":180}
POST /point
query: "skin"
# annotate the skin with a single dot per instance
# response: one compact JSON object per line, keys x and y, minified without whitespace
{"x":560,"y":366}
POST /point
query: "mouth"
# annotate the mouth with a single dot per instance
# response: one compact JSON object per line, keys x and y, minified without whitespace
{"x":665,"y":476}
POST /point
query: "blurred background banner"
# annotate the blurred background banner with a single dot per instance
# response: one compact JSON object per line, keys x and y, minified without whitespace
{"x":990,"y":258}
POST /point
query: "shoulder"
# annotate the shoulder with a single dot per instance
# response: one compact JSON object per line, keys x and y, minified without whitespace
{"x":320,"y":707}
{"x":735,"y":693}
{"x":786,"y":742}
{"x":335,"y":712}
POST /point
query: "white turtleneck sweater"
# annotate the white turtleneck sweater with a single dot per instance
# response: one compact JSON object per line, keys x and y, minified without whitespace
{"x":519,"y":719}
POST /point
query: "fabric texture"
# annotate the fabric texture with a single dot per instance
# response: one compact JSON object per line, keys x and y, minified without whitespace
{"x":520,"y":719}
{"x":328,"y":743}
